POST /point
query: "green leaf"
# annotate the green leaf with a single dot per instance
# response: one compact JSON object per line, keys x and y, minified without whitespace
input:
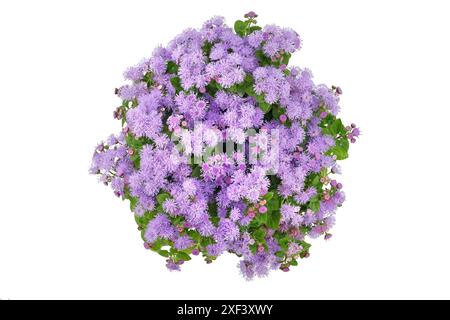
{"x":280,"y":254}
{"x":268,"y":196}
{"x":212,"y":208}
{"x":316,"y":180}
{"x":262,"y":58}
{"x":294,"y":262}
{"x":148,"y":78}
{"x":156,"y":245}
{"x":206,"y":241}
{"x":275,"y":202}
{"x":212,"y":87}
{"x":305,"y":245}
{"x":162,"y":197}
{"x":284,"y":242}
{"x":273,"y":219}
{"x":286,"y":58}
{"x":277,"y":111}
{"x":259,"y":220}
{"x":253,"y":29}
{"x":176,"y":83}
{"x":164,"y":253}
{"x":207,"y":46}
{"x":265,"y":107}
{"x":133,"y":202}
{"x":195,"y":235}
{"x":239,"y":27}
{"x":337,"y":127}
{"x":182,"y":256}
{"x":136,"y":159}
{"x":259,"y":235}
{"x":314,"y":204}
{"x":172,"y":67}
{"x":196,"y":172}
{"x":340,"y":150}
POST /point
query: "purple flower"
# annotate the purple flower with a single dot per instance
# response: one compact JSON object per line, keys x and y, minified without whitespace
{"x":221,"y":137}
{"x":182,"y":243}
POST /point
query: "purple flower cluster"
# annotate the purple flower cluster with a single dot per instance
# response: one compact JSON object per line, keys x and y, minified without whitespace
{"x":225,"y":148}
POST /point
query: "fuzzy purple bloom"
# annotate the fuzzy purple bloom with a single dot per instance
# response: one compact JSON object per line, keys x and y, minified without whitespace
{"x":225,"y":147}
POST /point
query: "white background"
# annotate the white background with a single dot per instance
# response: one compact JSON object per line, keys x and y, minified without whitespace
{"x":63,"y":235}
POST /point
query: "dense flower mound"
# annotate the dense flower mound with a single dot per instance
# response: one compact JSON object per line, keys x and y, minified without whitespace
{"x":225,"y":148}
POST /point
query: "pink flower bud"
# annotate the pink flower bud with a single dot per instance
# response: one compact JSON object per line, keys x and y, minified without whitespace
{"x":263,"y":209}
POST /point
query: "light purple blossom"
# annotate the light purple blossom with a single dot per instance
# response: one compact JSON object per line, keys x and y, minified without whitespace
{"x":209,"y":89}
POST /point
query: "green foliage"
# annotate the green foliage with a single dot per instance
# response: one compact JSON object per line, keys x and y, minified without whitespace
{"x":196,"y":171}
{"x":180,"y":255}
{"x":148,"y":79}
{"x":172,"y":67}
{"x":142,"y":221}
{"x":286,"y":57}
{"x":284,"y":242}
{"x":314,"y":204}
{"x":205,"y":241}
{"x":212,"y":87}
{"x":333,"y":126}
{"x":133,"y":202}
{"x":265,"y":107}
{"x":136,"y":144}
{"x":164,"y":253}
{"x":263,"y":60}
{"x":277,"y":111}
{"x":244,"y":28}
{"x":194,"y":234}
{"x":161,"y":197}
{"x":254,"y":28}
{"x":273,"y":211}
{"x":128,"y":196}
{"x":245,"y":87}
{"x":305,"y":245}
{"x":340,"y":150}
{"x":268,"y":196}
{"x":212,"y":209}
{"x":240,"y":28}
{"x":176,"y":83}
{"x":206,"y":48}
{"x":273,"y":219}
{"x":313,"y":180}
{"x":259,"y":235}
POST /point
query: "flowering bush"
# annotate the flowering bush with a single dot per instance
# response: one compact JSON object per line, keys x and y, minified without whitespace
{"x":225,"y":148}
